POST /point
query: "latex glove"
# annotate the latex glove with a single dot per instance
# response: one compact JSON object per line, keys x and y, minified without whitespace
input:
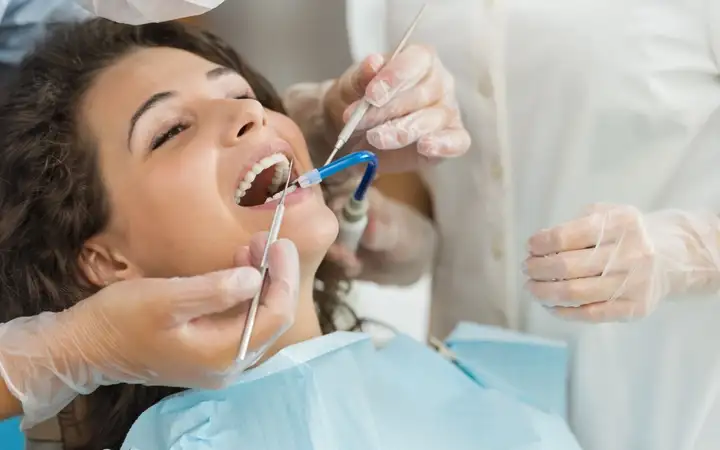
{"x":615,"y":263}
{"x":137,"y":12}
{"x":415,"y":118}
{"x":182,"y":332}
{"x":397,"y":246}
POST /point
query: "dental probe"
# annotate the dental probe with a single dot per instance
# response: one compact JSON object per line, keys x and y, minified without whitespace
{"x":272,"y":237}
{"x":363,"y":106}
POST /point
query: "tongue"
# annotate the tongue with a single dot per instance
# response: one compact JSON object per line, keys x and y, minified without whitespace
{"x":258,"y":192}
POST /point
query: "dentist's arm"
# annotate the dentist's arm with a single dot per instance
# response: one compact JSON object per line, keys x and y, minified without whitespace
{"x":182,"y":332}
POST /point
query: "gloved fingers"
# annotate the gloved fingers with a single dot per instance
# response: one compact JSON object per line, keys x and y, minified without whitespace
{"x":606,"y":311}
{"x":251,"y":254}
{"x":346,"y":259}
{"x":448,"y":143}
{"x":278,"y":303}
{"x":404,"y":131}
{"x":382,"y":231}
{"x":588,"y":231}
{"x":427,"y":92}
{"x":379,"y":235}
{"x":407,"y":69}
{"x":352,"y":86}
{"x":221,"y":291}
{"x":257,"y":247}
{"x":193,"y":297}
{"x":580,"y":291}
{"x":608,"y":259}
{"x":337,"y":202}
{"x":221,"y":331}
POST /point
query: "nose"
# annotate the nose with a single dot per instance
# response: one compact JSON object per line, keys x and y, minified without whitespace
{"x":245,"y":117}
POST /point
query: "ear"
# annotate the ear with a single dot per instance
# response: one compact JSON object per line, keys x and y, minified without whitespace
{"x":104,"y":265}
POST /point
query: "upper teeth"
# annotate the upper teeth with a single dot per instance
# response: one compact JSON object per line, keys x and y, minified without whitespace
{"x":282,"y":171}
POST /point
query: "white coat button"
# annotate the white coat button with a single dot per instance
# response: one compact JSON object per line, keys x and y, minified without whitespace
{"x":497,"y":249}
{"x":496,"y":169}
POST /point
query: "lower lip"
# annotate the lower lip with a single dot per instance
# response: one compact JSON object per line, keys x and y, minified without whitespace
{"x":292,"y":198}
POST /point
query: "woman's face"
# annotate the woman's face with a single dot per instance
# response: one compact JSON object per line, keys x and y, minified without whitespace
{"x":182,"y":147}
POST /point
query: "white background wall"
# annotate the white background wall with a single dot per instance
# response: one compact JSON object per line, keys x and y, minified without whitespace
{"x":287,"y":40}
{"x":291,"y":41}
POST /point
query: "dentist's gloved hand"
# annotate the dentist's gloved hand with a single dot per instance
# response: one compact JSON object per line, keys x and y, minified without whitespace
{"x":182,"y":332}
{"x":396,"y":248}
{"x":415,"y":118}
{"x":137,"y":12}
{"x":616,"y":263}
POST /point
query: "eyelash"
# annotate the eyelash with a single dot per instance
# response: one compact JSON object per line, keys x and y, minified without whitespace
{"x":179,"y":127}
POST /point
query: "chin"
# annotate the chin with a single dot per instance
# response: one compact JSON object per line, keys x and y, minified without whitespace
{"x":313,"y":230}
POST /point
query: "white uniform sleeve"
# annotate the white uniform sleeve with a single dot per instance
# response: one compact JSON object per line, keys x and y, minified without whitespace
{"x":714,"y":29}
{"x":136,"y":12}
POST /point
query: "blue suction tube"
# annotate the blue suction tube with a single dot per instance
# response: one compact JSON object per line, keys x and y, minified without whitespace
{"x":315,"y":176}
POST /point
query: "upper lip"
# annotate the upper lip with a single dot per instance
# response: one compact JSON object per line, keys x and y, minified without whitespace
{"x":263,"y":150}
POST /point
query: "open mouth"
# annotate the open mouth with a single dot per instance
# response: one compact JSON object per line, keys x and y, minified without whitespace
{"x":265,"y":179}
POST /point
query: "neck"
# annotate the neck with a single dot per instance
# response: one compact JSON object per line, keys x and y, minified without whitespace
{"x":306,"y":325}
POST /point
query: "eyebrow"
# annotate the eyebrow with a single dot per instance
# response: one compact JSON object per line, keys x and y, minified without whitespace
{"x":145,"y":107}
{"x":220,"y":72}
{"x":212,"y":74}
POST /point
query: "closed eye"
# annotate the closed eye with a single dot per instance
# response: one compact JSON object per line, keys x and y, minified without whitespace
{"x":161,"y":139}
{"x":178,"y":128}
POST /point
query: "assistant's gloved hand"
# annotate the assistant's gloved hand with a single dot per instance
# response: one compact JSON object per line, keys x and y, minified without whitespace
{"x":616,"y":263}
{"x":415,"y":119}
{"x":397,"y":247}
{"x":182,"y":332}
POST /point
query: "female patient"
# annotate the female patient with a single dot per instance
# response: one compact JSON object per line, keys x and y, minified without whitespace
{"x":149,"y":152}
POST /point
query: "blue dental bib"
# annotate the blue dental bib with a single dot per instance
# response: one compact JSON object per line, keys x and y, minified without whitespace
{"x":338,"y":392}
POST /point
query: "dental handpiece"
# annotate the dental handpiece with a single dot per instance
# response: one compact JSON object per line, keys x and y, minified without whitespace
{"x":353,"y":220}
{"x":363,"y":105}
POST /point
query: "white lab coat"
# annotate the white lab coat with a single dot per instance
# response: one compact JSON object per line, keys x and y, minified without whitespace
{"x":571,"y":102}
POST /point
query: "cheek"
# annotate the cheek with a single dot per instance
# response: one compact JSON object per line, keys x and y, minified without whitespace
{"x":174,"y":220}
{"x":313,"y":227}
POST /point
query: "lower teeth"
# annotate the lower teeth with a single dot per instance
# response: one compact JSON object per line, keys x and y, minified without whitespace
{"x":290,"y":190}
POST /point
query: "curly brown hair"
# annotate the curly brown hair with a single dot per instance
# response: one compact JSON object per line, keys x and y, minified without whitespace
{"x":52,"y":199}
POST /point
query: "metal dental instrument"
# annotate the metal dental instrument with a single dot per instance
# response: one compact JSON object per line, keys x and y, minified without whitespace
{"x":363,"y":106}
{"x":272,"y":237}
